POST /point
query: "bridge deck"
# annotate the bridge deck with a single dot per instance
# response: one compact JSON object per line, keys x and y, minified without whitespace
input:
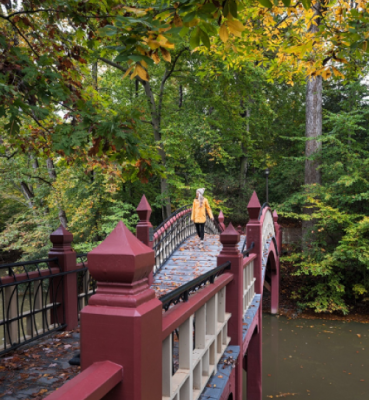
{"x":188,"y":262}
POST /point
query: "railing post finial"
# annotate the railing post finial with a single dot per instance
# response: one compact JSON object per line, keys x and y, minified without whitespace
{"x":254,"y":206}
{"x":229,"y":239}
{"x":221,"y":221}
{"x":61,"y":239}
{"x":144,"y":229}
{"x":144,"y":209}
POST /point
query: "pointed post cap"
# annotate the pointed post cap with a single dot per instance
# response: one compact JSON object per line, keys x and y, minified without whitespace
{"x":275,"y":216}
{"x":254,"y":206}
{"x":121,"y":258}
{"x":61,"y":238}
{"x":229,"y":236}
{"x":144,"y":210}
{"x":221,"y":216}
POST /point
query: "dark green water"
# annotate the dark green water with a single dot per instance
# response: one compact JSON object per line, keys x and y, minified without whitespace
{"x":315,"y":359}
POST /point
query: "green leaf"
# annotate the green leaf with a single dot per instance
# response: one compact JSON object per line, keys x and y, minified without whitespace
{"x":306,"y":4}
{"x":205,"y":38}
{"x":189,"y":17}
{"x":266,"y":3}
{"x":287,"y":3}
{"x":226,"y":9}
{"x":195,"y":38}
{"x":208,"y":8}
{"x":210,"y":29}
{"x":121,"y":58}
{"x":108,"y":30}
{"x":233,"y":8}
{"x":2,"y":40}
{"x":184,"y":31}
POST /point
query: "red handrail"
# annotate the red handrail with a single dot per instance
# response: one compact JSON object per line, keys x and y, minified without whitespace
{"x":92,"y":384}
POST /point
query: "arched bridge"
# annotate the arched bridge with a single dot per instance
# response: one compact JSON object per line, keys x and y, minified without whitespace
{"x":168,"y":320}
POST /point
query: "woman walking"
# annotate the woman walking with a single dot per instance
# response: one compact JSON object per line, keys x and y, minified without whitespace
{"x":199,"y":208}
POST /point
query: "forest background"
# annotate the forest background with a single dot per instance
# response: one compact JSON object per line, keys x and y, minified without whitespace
{"x":104,"y":101}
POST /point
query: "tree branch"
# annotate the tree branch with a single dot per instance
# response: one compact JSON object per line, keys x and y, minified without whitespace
{"x":38,"y":177}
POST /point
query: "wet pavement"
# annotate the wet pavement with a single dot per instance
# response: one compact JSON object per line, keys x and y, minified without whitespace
{"x":315,"y":359}
{"x":35,"y":370}
{"x":188,"y":262}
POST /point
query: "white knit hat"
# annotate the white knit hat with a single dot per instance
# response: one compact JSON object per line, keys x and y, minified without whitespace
{"x":201,"y":195}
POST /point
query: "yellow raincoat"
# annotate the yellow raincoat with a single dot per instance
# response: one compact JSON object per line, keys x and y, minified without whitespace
{"x":199,"y":213}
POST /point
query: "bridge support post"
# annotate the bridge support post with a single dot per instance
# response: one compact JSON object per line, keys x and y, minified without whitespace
{"x":221,"y":221}
{"x":274,"y":292}
{"x":65,"y":291}
{"x":254,"y":352}
{"x":234,"y":296}
{"x":123,"y":321}
{"x":144,"y":227}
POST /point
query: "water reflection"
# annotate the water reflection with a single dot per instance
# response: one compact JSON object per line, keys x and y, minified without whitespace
{"x":315,"y":359}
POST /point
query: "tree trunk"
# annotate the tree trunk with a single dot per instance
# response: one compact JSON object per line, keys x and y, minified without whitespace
{"x":244,"y":158}
{"x":155,"y":119}
{"x":52,"y":174}
{"x":28,"y":195}
{"x":313,"y":131}
{"x":180,"y":101}
{"x":94,"y":75}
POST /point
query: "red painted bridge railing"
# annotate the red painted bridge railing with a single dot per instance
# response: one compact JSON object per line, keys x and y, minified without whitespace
{"x":168,"y":348}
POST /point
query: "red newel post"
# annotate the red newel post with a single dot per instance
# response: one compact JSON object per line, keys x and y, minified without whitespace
{"x":253,"y":232}
{"x":278,"y":232}
{"x":275,"y":276}
{"x":234,"y":297}
{"x":221,"y":221}
{"x":239,"y":229}
{"x":67,"y":290}
{"x":254,"y":351}
{"x":123,"y":321}
{"x":144,"y":227}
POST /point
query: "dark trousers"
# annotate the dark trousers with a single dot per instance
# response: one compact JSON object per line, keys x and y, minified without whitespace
{"x":200,"y":228}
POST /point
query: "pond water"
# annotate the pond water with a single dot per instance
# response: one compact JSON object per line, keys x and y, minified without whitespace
{"x":315,"y":359}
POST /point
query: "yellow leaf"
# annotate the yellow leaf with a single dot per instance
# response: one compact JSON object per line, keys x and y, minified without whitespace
{"x":234,"y":31}
{"x":177,"y":20}
{"x":142,"y":73}
{"x":336,"y":72}
{"x":143,"y":63}
{"x":153,"y":44}
{"x":168,"y":45}
{"x":166,"y":55}
{"x":223,"y":33}
{"x":135,"y":10}
{"x":192,"y":23}
{"x":128,"y":71}
{"x":134,"y":73}
{"x":236,"y":25}
{"x":155,"y":57}
{"x":141,"y":50}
